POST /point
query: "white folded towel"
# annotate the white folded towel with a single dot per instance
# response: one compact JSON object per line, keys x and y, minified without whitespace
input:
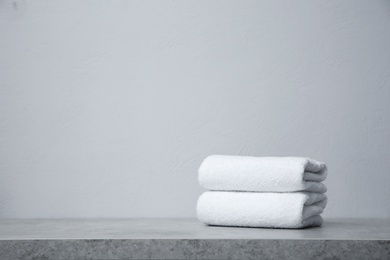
{"x":254,"y":209}
{"x":264,"y":174}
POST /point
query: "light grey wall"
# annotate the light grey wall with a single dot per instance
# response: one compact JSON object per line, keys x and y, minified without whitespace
{"x":109,"y":107}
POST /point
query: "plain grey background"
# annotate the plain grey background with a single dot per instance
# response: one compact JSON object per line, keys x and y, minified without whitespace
{"x":109,"y":107}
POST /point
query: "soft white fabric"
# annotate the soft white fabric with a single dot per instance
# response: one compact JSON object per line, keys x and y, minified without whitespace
{"x":255,"y":209}
{"x":264,"y":174}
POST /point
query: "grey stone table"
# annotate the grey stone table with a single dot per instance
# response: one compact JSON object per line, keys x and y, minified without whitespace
{"x":189,"y":239}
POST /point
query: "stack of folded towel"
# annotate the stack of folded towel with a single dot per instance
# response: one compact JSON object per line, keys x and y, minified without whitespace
{"x":277,"y":192}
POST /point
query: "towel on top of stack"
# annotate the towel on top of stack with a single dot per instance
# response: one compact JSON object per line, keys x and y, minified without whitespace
{"x":274,"y":174}
{"x":279,"y":192}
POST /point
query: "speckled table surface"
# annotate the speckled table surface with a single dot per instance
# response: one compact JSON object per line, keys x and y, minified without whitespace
{"x":189,"y":239}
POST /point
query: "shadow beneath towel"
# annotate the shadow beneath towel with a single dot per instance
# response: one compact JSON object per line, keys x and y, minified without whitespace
{"x":274,"y":228}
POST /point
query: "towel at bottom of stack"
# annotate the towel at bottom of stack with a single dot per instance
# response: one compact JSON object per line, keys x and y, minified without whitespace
{"x":254,"y":209}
